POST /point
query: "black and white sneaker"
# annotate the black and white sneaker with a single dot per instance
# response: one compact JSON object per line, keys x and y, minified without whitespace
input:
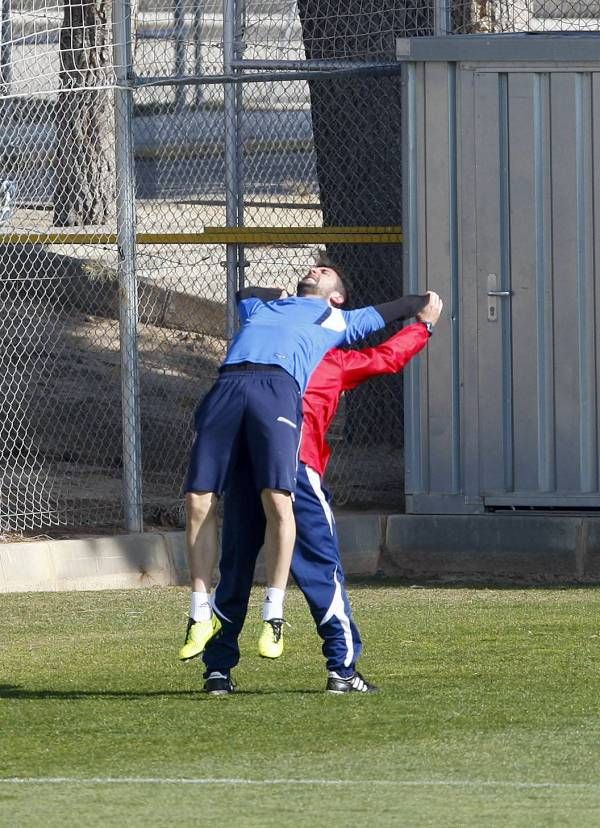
{"x":218,"y":684}
{"x":353,"y":684}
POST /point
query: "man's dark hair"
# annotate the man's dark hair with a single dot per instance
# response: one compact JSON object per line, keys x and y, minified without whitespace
{"x":323,"y":260}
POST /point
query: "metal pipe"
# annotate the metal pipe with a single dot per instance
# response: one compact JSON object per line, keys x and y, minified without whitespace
{"x":382,"y":70}
{"x":309,"y":63}
{"x":239,"y":47}
{"x":128,"y":299}
{"x":230,"y":112}
{"x":441,"y":18}
{"x":6,"y":70}
{"x":180,"y":50}
{"x":198,"y":24}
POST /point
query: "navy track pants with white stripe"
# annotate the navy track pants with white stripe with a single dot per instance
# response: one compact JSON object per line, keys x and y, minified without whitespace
{"x":316,"y":568}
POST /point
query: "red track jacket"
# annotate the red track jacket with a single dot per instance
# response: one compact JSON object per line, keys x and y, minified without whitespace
{"x":341,"y":371}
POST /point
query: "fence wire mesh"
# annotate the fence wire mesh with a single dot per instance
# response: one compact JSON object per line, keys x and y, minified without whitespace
{"x":279,"y":152}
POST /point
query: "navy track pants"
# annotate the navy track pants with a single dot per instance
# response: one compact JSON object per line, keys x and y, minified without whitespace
{"x":316,"y":568}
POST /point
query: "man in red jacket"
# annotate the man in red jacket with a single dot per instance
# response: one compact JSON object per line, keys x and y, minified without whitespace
{"x":316,"y":565}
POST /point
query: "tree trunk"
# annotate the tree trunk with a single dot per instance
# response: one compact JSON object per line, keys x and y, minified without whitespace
{"x":357,"y":133}
{"x":84,"y":189}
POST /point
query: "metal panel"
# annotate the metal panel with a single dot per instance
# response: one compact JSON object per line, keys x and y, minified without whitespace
{"x":491,"y":238}
{"x":433,"y":429}
{"x":467,"y":282}
{"x":503,"y":48}
{"x":588,"y":414}
{"x":416,"y":447}
{"x":543,"y":283}
{"x":564,"y":256}
{"x":508,"y":167}
{"x":522,"y":268}
{"x":594,"y":300}
{"x":438,"y":255}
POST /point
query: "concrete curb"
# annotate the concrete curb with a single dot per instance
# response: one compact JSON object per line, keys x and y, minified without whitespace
{"x":361,"y":538}
{"x":149,"y":559}
{"x":118,"y":562}
{"x":505,"y":548}
{"x":499,"y":548}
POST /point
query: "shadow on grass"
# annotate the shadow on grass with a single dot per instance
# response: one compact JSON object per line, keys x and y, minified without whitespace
{"x":12,"y":691}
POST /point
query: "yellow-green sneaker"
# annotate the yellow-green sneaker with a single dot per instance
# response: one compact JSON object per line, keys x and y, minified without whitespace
{"x":197,"y":635}
{"x":270,"y":643}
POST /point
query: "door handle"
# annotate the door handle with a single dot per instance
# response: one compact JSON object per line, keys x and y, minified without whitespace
{"x":494,"y":294}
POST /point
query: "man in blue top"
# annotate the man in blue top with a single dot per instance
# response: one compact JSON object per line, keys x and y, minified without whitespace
{"x":257,"y":403}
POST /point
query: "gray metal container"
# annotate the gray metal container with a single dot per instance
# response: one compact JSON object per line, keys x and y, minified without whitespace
{"x":502,"y":218}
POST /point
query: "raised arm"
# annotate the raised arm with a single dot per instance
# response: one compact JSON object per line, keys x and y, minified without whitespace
{"x":364,"y":321}
{"x":393,"y":354}
{"x":388,"y":358}
{"x":265,"y":294}
{"x":402,"y":308}
{"x":248,"y":298}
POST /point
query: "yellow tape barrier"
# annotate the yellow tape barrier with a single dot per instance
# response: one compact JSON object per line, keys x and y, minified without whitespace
{"x":226,"y":235}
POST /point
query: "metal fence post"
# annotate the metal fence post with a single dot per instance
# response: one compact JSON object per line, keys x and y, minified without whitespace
{"x":239,"y":48}
{"x":198,"y":55}
{"x":6,"y":67}
{"x":442,"y":17}
{"x":128,"y":299}
{"x":180,"y":52}
{"x":231,"y":109}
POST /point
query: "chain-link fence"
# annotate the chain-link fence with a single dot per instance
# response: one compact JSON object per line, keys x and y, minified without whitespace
{"x":152,"y":158}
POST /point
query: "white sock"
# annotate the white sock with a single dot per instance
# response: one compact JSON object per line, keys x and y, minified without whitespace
{"x":200,"y":606}
{"x":273,"y":606}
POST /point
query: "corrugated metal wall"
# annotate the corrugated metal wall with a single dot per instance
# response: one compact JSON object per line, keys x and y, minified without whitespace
{"x":502,"y":218}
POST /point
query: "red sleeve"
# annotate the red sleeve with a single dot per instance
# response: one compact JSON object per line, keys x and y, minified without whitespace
{"x":388,"y":358}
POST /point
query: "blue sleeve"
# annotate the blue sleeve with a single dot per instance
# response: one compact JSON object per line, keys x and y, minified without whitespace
{"x":246,"y":307}
{"x":362,"y":322}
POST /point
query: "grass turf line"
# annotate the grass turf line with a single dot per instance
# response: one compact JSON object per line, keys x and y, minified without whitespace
{"x":488,"y":714}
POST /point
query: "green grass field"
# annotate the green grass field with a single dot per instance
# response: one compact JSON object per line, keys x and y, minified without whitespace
{"x":488,"y":714}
